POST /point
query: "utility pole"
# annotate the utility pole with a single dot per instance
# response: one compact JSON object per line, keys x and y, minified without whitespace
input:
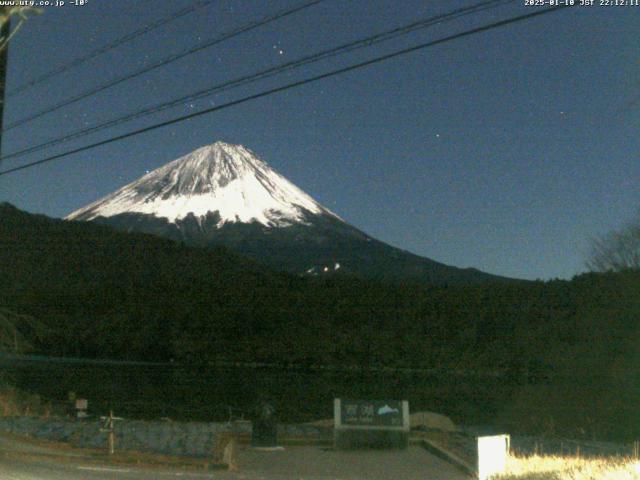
{"x":5,"y":30}
{"x":5,"y":35}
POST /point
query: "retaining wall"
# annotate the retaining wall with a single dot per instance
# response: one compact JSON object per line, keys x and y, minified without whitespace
{"x":194,"y":439}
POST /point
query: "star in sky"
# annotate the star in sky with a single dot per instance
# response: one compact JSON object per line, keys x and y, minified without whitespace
{"x":486,"y":109}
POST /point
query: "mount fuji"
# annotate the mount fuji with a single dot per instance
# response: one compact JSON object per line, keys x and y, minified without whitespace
{"x":223,"y":194}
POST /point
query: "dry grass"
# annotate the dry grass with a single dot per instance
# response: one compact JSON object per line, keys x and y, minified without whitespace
{"x":570,"y":468}
{"x":15,"y":402}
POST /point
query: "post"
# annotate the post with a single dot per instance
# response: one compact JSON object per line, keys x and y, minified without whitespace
{"x":5,"y":30}
{"x":109,"y":428}
{"x":112,"y":436}
{"x":492,"y":451}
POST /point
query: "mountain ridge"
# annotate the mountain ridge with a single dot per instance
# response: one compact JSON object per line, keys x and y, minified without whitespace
{"x":223,"y":194}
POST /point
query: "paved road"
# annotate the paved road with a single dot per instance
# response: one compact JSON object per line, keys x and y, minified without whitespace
{"x":315,"y":463}
{"x":21,"y":469}
{"x":28,"y":461}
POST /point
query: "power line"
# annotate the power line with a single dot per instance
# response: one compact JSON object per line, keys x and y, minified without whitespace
{"x":166,"y":61}
{"x":289,"y":86}
{"x":110,"y":46}
{"x":270,"y":72}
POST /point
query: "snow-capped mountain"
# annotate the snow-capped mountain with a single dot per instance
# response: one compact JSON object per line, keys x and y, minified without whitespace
{"x":227,"y":179}
{"x":223,"y":194}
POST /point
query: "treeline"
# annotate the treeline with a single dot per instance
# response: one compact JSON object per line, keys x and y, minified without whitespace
{"x":107,"y":294}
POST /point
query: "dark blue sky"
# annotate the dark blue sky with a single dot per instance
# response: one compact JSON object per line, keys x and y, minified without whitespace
{"x":504,"y":151}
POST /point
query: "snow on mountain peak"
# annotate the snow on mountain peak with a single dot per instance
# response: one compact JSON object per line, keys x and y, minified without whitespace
{"x":224,"y":178}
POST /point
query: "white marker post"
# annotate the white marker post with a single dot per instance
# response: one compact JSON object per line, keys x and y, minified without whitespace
{"x":492,"y":455}
{"x":109,"y":427}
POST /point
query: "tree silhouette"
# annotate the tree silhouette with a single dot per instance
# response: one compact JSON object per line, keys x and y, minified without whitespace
{"x":618,"y":250}
{"x":18,"y":331}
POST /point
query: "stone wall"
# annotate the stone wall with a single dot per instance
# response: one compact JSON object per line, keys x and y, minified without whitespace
{"x":192,"y":439}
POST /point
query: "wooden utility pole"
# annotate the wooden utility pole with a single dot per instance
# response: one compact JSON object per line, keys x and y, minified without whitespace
{"x":5,"y":30}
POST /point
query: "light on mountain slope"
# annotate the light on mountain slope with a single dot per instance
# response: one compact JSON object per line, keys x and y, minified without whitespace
{"x":224,"y":195}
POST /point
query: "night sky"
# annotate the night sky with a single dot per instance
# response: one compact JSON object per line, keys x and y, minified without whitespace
{"x":506,"y":151}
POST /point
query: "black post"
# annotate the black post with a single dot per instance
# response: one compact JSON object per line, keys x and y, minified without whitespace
{"x":4,"y":34}
{"x":264,"y":426}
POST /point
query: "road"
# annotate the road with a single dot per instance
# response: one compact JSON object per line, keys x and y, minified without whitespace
{"x":19,"y":469}
{"x":31,"y":460}
{"x":26,"y":460}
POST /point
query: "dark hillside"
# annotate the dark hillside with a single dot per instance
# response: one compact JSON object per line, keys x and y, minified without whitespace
{"x":569,"y":350}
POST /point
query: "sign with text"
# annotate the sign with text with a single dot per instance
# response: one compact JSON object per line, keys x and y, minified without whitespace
{"x":82,"y":404}
{"x":366,"y":413}
{"x":371,"y":423}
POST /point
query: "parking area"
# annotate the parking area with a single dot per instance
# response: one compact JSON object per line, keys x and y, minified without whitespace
{"x":315,"y":463}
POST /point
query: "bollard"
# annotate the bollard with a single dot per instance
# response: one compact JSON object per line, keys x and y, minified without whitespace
{"x":492,"y":451}
{"x":224,"y":451}
{"x":264,"y":426}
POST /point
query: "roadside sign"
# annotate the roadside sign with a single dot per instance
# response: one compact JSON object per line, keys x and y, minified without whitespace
{"x":82,"y":404}
{"x":362,"y":423}
{"x":366,"y":413}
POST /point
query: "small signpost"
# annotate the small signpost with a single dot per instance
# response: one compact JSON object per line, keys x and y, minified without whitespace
{"x":492,"y":455}
{"x":371,"y":423}
{"x":109,"y":427}
{"x":82,"y":405}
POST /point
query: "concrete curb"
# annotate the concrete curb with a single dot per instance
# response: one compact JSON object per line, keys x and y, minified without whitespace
{"x":450,"y":457}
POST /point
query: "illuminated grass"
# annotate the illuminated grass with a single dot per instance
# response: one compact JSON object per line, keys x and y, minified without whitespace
{"x":570,"y":468}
